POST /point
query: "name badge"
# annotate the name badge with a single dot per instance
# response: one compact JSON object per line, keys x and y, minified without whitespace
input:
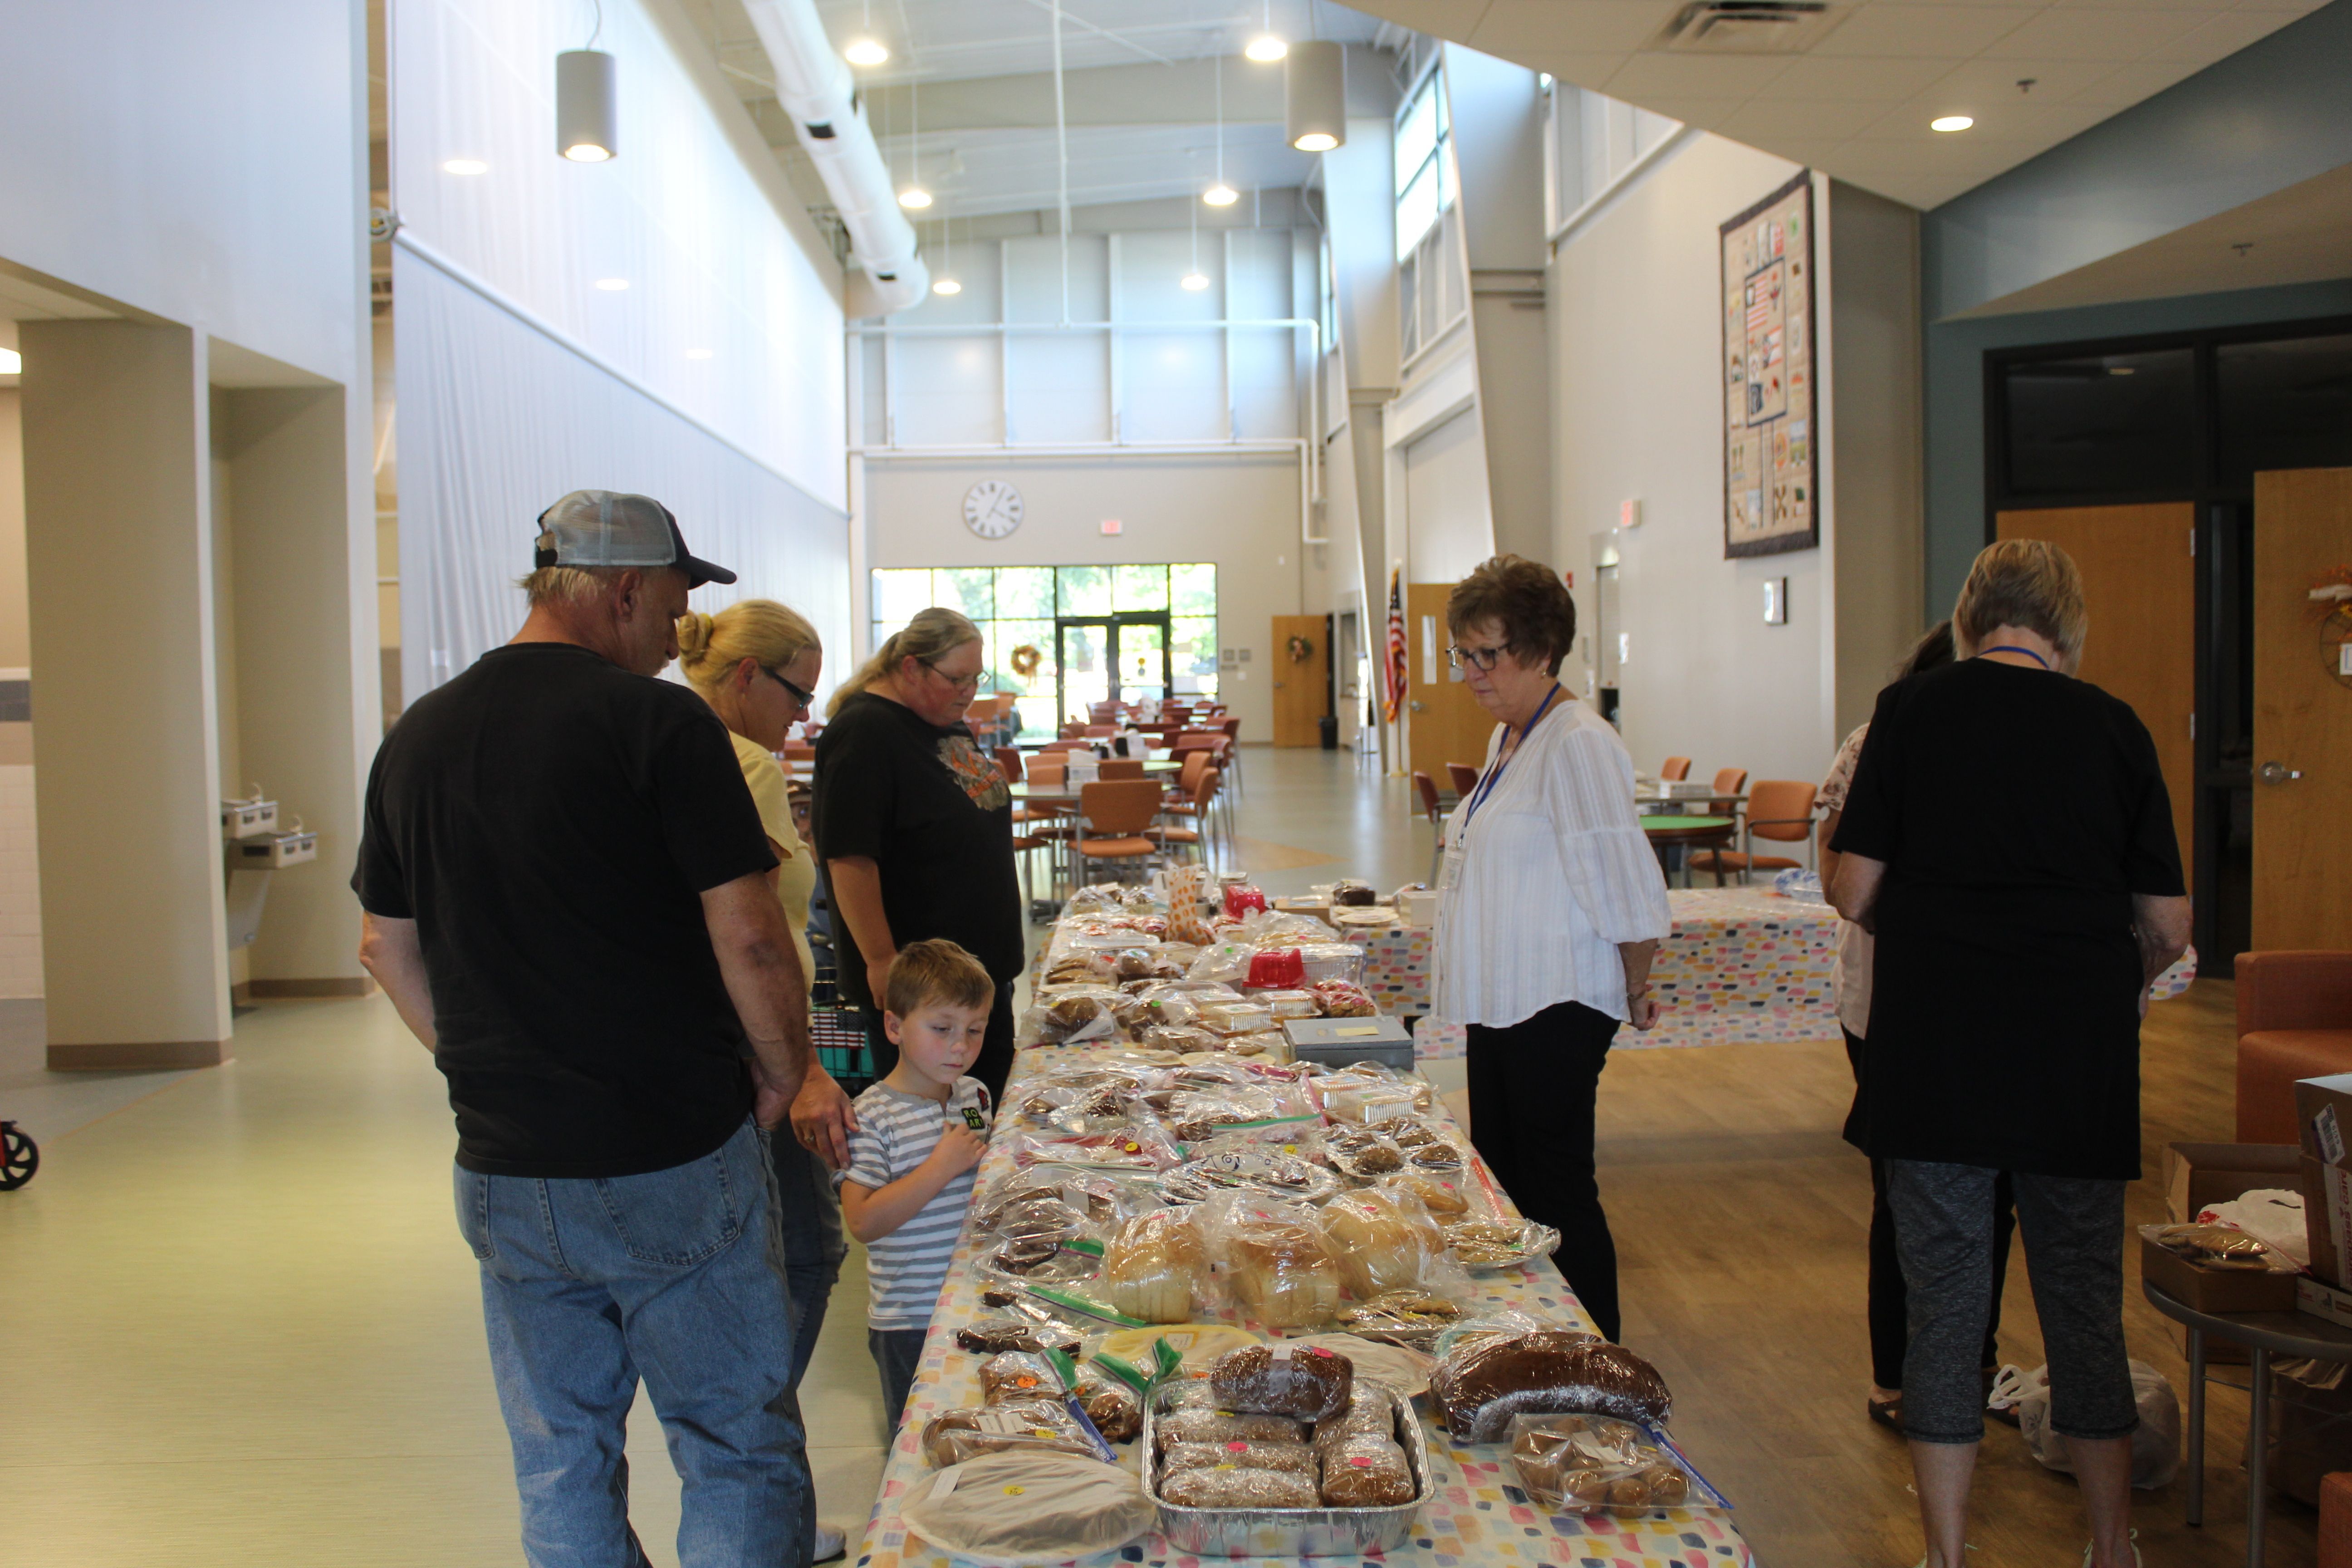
{"x":974,"y":1119}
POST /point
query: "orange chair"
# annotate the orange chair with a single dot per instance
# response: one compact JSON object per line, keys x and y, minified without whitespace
{"x":1117,"y":816}
{"x":1188,"y":777}
{"x":1730,"y":780}
{"x":1204,"y":796}
{"x":2295,"y":1021}
{"x":1426,"y":787}
{"x":1122,"y":768}
{"x":1230,"y":758}
{"x":2336,"y":1521}
{"x":1674,"y":769}
{"x":1099,"y":731}
{"x":1779,"y":809}
{"x":1465,"y":780}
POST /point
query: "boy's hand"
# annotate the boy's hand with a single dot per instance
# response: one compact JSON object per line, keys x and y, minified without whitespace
{"x":958,"y":1149}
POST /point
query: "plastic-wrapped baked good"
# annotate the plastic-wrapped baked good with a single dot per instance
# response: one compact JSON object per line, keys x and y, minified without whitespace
{"x":1188,"y":1394}
{"x":1322,"y":961}
{"x":1500,"y":1243}
{"x":1233,"y":1486}
{"x":1079,"y":968}
{"x":1197,"y":1345}
{"x":1190,"y":1425}
{"x":1410,"y":1318}
{"x":995,"y":1335}
{"x":1435,"y":1155}
{"x":1309,"y":1382}
{"x":1442,"y":1195}
{"x":1342,"y":999}
{"x":1042,"y":1259}
{"x":1241,"y":898}
{"x":1282,"y":1274}
{"x":1296,"y":1458}
{"x":1598,"y":1464}
{"x":2214,"y":1246}
{"x":1185,"y":1038}
{"x":1386,"y":1241}
{"x":1367,"y":1472}
{"x":1135,"y":962}
{"x":1266,"y":1044}
{"x":1289,"y":1004}
{"x":1235,"y":1018}
{"x":1349,"y":893}
{"x":1267,"y":1170}
{"x":1411,"y":1132}
{"x":1143,"y":1145}
{"x":1036,"y":1217}
{"x":1370,"y":1416}
{"x":1017,"y":1375}
{"x":956,"y":1436}
{"x":1364,"y":1159}
{"x":1478,"y":1388}
{"x":1156,"y":1268}
{"x":1018,"y":1510}
{"x":1276,"y":968}
{"x":1116,"y":1409}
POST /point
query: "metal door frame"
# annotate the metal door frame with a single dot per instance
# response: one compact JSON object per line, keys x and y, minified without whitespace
{"x":1110,"y":624}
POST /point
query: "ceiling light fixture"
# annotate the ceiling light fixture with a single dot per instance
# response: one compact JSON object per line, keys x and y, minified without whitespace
{"x":866,"y":49}
{"x":611,"y":285}
{"x":587,"y":101}
{"x":464,"y":166}
{"x":1949,"y":123}
{"x":11,"y":362}
{"x":914,"y":197}
{"x":947,"y":282}
{"x":1196,"y":281}
{"x":947,"y":286}
{"x":1221,"y":195}
{"x":1315,"y":96}
{"x":1268,"y":46}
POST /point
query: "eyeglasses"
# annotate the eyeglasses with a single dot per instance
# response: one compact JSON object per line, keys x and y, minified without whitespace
{"x":960,"y":682}
{"x":802,"y":694}
{"x":1483,"y":657}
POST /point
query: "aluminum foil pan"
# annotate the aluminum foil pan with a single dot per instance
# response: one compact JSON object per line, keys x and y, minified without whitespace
{"x":1293,"y":1532}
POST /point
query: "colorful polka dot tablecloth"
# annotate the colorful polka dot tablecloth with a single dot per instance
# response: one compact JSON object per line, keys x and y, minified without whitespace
{"x":1478,"y":1514}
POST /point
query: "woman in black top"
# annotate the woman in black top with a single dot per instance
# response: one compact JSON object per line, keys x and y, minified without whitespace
{"x":915,"y":822}
{"x":2009,"y":841}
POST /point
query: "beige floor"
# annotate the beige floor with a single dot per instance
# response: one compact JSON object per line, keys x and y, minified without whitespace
{"x":238,"y":1328}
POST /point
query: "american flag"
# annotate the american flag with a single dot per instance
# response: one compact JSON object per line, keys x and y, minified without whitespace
{"x":1396,"y":665}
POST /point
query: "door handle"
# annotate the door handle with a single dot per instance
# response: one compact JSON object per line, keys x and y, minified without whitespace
{"x":1417,"y":707}
{"x":2277,"y":773}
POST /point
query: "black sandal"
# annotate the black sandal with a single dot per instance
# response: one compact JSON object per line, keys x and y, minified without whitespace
{"x":1888,"y":1413}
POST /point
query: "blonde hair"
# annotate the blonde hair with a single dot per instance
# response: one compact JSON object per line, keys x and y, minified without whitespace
{"x":2028,"y":583}
{"x":769,"y":634}
{"x":932,"y":635}
{"x":565,"y":586}
{"x":935,"y":970}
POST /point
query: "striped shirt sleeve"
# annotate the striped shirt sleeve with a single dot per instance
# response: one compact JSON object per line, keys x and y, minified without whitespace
{"x":1611,"y":870}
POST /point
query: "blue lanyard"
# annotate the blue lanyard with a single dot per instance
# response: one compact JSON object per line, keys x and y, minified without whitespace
{"x":2007,"y":648}
{"x":1487,"y":785}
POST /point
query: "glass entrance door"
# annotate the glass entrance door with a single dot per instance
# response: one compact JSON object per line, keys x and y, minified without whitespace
{"x":1111,"y":658}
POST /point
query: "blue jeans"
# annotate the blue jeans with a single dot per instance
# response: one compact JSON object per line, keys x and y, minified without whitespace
{"x":898,"y":1356}
{"x":587,"y":1286}
{"x":808,"y":1240}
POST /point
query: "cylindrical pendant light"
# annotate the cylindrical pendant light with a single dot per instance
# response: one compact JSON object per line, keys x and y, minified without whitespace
{"x":587,"y":106}
{"x":1315,"y":94}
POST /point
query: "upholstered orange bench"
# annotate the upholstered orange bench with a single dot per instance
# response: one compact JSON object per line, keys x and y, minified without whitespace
{"x":2336,"y":1520}
{"x":2295,"y":1021}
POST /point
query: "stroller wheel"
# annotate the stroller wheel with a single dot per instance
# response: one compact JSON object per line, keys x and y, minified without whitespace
{"x":19,"y":1157}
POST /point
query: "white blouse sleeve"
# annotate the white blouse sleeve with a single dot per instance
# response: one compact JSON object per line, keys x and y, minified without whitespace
{"x":1612,"y":872}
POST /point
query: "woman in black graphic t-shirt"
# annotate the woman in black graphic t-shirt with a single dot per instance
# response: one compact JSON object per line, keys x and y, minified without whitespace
{"x":915,"y":822}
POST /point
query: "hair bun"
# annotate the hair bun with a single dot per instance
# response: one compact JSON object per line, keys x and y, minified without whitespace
{"x":694,"y":629}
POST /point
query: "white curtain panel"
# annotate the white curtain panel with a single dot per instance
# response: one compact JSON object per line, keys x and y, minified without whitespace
{"x":725,"y":312}
{"x":498,"y":418}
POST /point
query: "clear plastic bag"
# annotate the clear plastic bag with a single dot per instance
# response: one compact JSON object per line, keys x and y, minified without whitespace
{"x":1223,"y":961}
{"x":1235,"y":1018}
{"x":1260,"y":1171}
{"x":1385,"y":1241}
{"x":1486,"y":1244}
{"x":1042,"y":1260}
{"x":1289,"y":1004}
{"x":1327,"y":961}
{"x":1309,"y":1382}
{"x":1157,"y":1268}
{"x":1367,"y":1472}
{"x":1274,"y":1260}
{"x":2156,"y":1446}
{"x":1598,"y":1464}
{"x":1029,"y":1509}
{"x":1447,"y":1198}
{"x":1359,"y":1154}
{"x":1478,"y":1388}
{"x":997,"y":1333}
{"x":1342,"y":999}
{"x":1073,"y":1017}
{"x":1143,"y":1145}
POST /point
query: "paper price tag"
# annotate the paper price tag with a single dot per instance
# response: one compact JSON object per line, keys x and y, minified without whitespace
{"x":946,"y":1483}
{"x":2331,"y":1135}
{"x":1282,"y":1351}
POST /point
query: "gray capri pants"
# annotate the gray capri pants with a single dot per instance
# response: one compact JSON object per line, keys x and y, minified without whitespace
{"x":2073,"y":1229}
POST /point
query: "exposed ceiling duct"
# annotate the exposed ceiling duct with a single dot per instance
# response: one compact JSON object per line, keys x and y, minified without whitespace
{"x":815,"y":88}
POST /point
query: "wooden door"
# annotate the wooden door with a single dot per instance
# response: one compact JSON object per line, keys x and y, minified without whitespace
{"x":2302,"y":715}
{"x":1301,"y":685}
{"x":1443,"y":723}
{"x":2139,"y":578}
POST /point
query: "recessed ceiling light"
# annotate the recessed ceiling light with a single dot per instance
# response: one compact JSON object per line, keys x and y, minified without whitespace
{"x":1195,"y":281}
{"x":1266,"y":48}
{"x":946,"y":286}
{"x":1951,"y":122}
{"x":464,"y":166}
{"x":914,"y":196}
{"x":1221,"y":195}
{"x":11,"y":362}
{"x":865,"y":51}
{"x":611,"y":285}
{"x":697,"y":353}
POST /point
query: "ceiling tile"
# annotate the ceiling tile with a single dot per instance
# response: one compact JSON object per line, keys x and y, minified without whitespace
{"x":1949,"y":157}
{"x":1813,"y":78}
{"x":1986,"y":85}
{"x":1439,"y":18}
{"x":1813,"y":152}
{"x":1576,"y":69}
{"x":1761,"y":124}
{"x":1922,"y":32}
{"x":2222,"y":35}
{"x":1729,"y":76}
{"x":2131,"y":83}
{"x":1998,"y":121}
{"x":1511,"y":26}
{"x":1698,"y":113}
{"x":2087,"y":34}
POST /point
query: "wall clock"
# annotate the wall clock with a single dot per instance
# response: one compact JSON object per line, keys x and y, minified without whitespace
{"x":992,"y":509}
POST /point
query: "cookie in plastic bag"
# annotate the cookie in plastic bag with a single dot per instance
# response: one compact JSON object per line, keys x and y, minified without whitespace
{"x":1024,"y":1509}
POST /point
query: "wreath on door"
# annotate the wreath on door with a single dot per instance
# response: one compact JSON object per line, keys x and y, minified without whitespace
{"x":1301,"y":650}
{"x":1027,"y":661}
{"x":2331,"y":600}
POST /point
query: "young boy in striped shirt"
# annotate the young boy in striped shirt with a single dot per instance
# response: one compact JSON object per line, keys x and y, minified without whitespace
{"x":919,"y":1133}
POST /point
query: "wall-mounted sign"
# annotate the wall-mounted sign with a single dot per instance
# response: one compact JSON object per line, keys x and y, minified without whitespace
{"x":1771,"y":439}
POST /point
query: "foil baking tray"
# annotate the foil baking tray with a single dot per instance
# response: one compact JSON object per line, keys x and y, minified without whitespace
{"x":1293,"y":1532}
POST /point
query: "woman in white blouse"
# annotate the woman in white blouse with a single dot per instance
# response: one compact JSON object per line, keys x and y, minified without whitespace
{"x":1549,"y":909}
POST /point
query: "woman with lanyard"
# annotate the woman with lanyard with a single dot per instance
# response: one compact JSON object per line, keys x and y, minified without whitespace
{"x":1549,"y":909}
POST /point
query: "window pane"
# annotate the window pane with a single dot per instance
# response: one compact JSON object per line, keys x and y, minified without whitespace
{"x":897,"y":595}
{"x":1417,"y":208}
{"x":1193,"y":590}
{"x":1085,"y":590}
{"x":968,"y":589}
{"x":2284,"y":405}
{"x":1024,"y":590}
{"x":1139,"y":587}
{"x":2120,"y":424}
{"x":1192,"y":655}
{"x":885,"y":630}
{"x":1416,"y":134}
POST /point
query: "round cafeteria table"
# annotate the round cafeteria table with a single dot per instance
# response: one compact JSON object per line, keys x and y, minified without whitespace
{"x":2267,"y":1335}
{"x":1681,"y":834}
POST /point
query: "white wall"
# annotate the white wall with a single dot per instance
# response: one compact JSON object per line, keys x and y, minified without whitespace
{"x":1636,"y":332}
{"x":1241,"y":513}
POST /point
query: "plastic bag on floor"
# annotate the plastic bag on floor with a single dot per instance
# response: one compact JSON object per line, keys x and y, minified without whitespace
{"x":2156,"y":1446}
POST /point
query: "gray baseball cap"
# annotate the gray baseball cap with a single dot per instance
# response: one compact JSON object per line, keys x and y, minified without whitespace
{"x":606,"y":527}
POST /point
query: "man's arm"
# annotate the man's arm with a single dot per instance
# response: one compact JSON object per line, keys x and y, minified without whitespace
{"x":857,"y":883}
{"x":1854,"y":888}
{"x":2162,"y":926}
{"x":390,"y":950}
{"x":754,"y":947}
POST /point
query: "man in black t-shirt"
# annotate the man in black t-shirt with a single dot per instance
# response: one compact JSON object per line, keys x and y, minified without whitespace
{"x":566,"y":896}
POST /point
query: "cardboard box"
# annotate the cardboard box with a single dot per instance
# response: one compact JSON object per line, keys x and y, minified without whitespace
{"x":2215,"y":1289}
{"x":2323,"y":1116}
{"x":2323,"y":1301}
{"x":2196,"y":1175}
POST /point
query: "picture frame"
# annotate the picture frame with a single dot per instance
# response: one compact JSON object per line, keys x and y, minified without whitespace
{"x":1771,"y":490}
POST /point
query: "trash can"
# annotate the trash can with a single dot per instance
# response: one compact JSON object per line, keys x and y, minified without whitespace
{"x":1329,"y":726}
